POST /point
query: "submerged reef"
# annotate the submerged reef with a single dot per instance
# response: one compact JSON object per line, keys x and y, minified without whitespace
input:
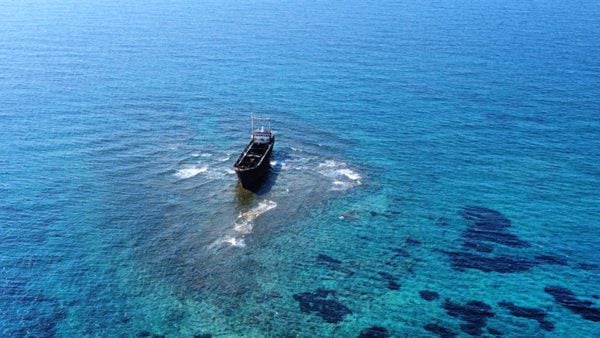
{"x":500,"y":264}
{"x":441,"y":221}
{"x":333,"y":264}
{"x":327,"y":260}
{"x":568,"y":299}
{"x":538,"y":315}
{"x":391,"y":279}
{"x":148,"y":334}
{"x":474,"y":313}
{"x":41,"y":315}
{"x":400,"y":252}
{"x":441,"y":331}
{"x":399,"y":255}
{"x":551,"y":259}
{"x":494,"y":331}
{"x":480,"y":247}
{"x":587,"y":266}
{"x":487,"y":225}
{"x":412,"y":241}
{"x":429,"y":295}
{"x":323,"y":303}
{"x":374,"y":332}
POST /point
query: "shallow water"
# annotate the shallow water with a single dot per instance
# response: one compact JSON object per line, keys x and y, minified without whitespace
{"x":439,"y":147}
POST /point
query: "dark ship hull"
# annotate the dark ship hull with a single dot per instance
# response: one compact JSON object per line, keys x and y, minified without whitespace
{"x":254,"y":163}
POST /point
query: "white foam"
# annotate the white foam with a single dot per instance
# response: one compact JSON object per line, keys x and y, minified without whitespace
{"x":215,"y":174}
{"x":243,"y":227}
{"x":350,"y":174}
{"x":331,"y":164}
{"x":341,"y":186}
{"x":230,"y":240}
{"x":342,"y":177}
{"x":260,"y":209}
{"x":297,"y":163}
{"x":244,"y":224}
{"x":190,"y":172}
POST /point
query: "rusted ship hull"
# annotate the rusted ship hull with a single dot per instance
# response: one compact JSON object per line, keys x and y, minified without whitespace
{"x":254,"y":163}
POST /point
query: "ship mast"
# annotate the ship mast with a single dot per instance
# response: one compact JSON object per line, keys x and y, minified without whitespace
{"x":259,"y":118}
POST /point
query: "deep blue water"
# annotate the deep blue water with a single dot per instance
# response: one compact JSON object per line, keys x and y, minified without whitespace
{"x":442,"y":146}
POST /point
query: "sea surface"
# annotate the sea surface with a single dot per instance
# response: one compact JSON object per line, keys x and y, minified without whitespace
{"x":436,"y":170}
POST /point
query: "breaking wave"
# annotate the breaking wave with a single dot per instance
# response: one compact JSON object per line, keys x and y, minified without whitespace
{"x":224,"y":158}
{"x":342,"y":177}
{"x":190,"y":172}
{"x":244,"y":224}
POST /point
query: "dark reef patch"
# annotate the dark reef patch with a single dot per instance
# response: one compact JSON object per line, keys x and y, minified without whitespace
{"x":530,"y":313}
{"x":480,"y":247}
{"x":551,"y":259}
{"x":412,"y":241}
{"x":487,"y":225}
{"x":494,"y":331}
{"x":441,"y":331}
{"x":386,"y":275}
{"x":568,"y":299}
{"x":33,"y":313}
{"x":400,"y":253}
{"x":327,"y":260}
{"x":391,"y":280}
{"x":267,"y":297}
{"x":501,"y":264}
{"x":429,"y":295}
{"x":441,"y":221}
{"x":474,"y":313}
{"x":324,"y":304}
{"x":498,"y":237}
{"x":332,"y":263}
{"x":587,"y":266}
{"x":392,"y":285}
{"x":203,"y":335}
{"x":374,"y":332}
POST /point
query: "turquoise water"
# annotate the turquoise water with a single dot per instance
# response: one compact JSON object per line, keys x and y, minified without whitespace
{"x":435,"y":172}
